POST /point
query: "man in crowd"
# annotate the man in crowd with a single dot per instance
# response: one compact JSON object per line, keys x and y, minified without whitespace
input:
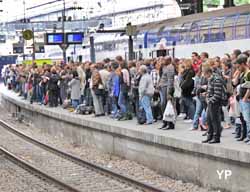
{"x":214,"y":95}
{"x":146,"y":91}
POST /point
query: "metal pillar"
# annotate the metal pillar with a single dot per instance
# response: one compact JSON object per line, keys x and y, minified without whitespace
{"x":64,"y":48}
{"x":228,"y":3}
{"x":199,"y":6}
{"x":34,"y":47}
{"x":130,"y":48}
{"x":92,"y":49}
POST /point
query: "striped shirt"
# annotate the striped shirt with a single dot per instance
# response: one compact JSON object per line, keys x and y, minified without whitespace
{"x":167,"y":78}
{"x":155,"y":77}
{"x":215,"y":86}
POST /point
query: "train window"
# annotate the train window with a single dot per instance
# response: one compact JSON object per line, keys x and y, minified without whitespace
{"x":184,"y":33}
{"x":248,"y":27}
{"x":204,"y":26}
{"x":216,"y":30}
{"x":194,"y":33}
{"x":228,"y":27}
{"x":240,"y":31}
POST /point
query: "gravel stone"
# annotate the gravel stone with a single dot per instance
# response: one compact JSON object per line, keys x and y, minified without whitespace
{"x":92,"y":154}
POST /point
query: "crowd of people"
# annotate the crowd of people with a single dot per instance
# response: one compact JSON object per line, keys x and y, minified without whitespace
{"x":202,"y":91}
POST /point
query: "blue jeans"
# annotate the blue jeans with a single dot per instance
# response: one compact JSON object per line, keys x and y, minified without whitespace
{"x":114,"y":109}
{"x":245,"y":109}
{"x":122,"y":102}
{"x":75,"y":103}
{"x":189,"y":105}
{"x":146,"y":104}
{"x":36,"y":94}
{"x":204,"y":117}
{"x":198,"y":112}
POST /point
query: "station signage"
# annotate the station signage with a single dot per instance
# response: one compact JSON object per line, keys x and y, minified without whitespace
{"x":74,"y":38}
{"x":54,"y":38}
{"x":18,"y":48}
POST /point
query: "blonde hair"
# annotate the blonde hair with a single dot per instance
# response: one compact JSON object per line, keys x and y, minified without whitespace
{"x":188,"y":63}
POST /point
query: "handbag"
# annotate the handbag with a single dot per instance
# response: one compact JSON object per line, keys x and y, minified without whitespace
{"x":46,"y":99}
{"x":99,"y":92}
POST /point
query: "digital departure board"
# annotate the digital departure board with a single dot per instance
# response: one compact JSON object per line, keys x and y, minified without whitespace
{"x":54,"y":38}
{"x":74,"y":38}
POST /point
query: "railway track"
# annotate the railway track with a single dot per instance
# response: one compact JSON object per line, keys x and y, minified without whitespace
{"x":68,"y":169}
{"x":25,"y":171}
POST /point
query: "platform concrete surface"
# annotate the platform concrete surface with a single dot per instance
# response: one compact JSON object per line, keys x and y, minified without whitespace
{"x":177,"y":153}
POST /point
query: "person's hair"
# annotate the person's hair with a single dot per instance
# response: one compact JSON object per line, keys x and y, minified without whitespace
{"x":143,"y":68}
{"x":246,"y":53}
{"x":205,"y":54}
{"x":207,"y":70}
{"x":123,"y":65}
{"x":132,"y":64}
{"x":228,"y":64}
{"x":106,"y":60}
{"x":228,"y":56}
{"x":119,"y":58}
{"x":167,"y":61}
{"x":75,"y":74}
{"x":188,"y":63}
{"x":195,"y":53}
{"x":237,"y":52}
{"x":114,"y":65}
{"x":210,"y":62}
{"x":241,"y":59}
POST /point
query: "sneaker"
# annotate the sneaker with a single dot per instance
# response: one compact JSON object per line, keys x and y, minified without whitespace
{"x":247,"y":140}
{"x":182,"y":115}
{"x":188,"y":121}
{"x":192,"y":129}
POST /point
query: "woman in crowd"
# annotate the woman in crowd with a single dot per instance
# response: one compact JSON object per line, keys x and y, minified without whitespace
{"x":187,"y":86}
{"x":97,"y":90}
{"x":75,"y":86}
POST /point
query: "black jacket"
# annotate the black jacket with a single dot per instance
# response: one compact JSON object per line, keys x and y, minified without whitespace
{"x":53,"y":82}
{"x":187,"y":83}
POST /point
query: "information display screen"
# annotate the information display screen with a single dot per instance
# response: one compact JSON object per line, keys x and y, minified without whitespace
{"x":74,"y":38}
{"x":54,"y":38}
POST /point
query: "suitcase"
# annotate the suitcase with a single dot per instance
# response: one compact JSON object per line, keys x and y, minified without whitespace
{"x":84,"y":110}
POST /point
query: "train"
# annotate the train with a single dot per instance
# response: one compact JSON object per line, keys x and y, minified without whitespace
{"x":216,"y":32}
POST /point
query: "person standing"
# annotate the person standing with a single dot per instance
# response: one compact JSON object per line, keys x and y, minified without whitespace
{"x":244,"y":95}
{"x":105,"y":75}
{"x":187,"y":86}
{"x":146,"y":91}
{"x":53,"y":88}
{"x":75,"y":85}
{"x":97,"y":90}
{"x":82,"y":78}
{"x":214,"y":102}
{"x":166,"y":83}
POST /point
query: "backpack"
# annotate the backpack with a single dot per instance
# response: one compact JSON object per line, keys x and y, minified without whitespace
{"x":141,"y":116}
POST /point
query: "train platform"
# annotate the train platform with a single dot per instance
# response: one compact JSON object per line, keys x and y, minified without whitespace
{"x":177,"y":153}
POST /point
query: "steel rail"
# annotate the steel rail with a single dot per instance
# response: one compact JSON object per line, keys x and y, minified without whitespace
{"x":112,"y":174}
{"x":35,"y":171}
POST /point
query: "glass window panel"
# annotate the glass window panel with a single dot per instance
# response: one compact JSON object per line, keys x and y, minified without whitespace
{"x":229,"y":27}
{"x":216,"y":32}
{"x":241,"y":26}
{"x":204,"y":27}
{"x":184,"y":33}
